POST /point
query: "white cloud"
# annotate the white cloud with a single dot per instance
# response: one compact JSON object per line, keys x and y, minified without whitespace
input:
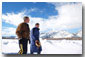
{"x":8,"y":31}
{"x":32,"y":10}
{"x":70,"y":17}
{"x":13,"y":18}
{"x":16,"y":18}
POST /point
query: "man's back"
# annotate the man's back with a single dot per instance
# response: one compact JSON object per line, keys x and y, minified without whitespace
{"x":23,"y":30}
{"x":34,"y":35}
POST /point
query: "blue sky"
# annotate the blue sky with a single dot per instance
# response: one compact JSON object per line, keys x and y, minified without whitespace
{"x":52,"y":16}
{"x":43,"y":10}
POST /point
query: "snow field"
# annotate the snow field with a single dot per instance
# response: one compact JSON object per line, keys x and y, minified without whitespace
{"x":10,"y":46}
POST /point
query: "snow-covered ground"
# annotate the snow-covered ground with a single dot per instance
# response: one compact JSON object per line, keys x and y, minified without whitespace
{"x":10,"y":46}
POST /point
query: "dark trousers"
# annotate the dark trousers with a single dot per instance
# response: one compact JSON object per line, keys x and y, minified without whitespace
{"x":23,"y":46}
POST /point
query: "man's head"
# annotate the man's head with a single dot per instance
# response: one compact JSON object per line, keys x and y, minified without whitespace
{"x":37,"y":25}
{"x":26,"y":19}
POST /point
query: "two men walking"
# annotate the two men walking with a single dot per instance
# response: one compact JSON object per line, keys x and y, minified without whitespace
{"x":24,"y":35}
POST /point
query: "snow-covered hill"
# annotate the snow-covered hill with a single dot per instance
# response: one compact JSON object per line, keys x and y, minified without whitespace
{"x":79,"y":33}
{"x":60,"y":34}
{"x":11,"y":46}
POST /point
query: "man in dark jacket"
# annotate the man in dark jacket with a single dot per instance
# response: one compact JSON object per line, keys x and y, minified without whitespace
{"x":35,"y":42}
{"x":23,"y":33}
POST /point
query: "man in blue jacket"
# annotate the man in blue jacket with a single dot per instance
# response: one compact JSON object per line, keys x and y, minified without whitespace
{"x":35,"y":42}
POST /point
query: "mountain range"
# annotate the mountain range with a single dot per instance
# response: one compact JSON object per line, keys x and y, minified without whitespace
{"x":61,"y":34}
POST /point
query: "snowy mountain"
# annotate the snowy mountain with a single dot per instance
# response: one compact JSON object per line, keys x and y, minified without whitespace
{"x":60,"y":34}
{"x":79,"y":34}
{"x":55,"y":34}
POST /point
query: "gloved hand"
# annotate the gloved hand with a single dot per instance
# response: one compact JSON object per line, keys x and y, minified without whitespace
{"x":37,"y":43}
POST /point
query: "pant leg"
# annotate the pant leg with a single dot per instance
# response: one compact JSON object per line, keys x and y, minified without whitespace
{"x":39,"y":51}
{"x":23,"y":46}
{"x":20,"y":46}
{"x":31,"y":52}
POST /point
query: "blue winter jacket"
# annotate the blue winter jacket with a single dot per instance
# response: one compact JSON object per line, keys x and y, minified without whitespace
{"x":34,"y":35}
